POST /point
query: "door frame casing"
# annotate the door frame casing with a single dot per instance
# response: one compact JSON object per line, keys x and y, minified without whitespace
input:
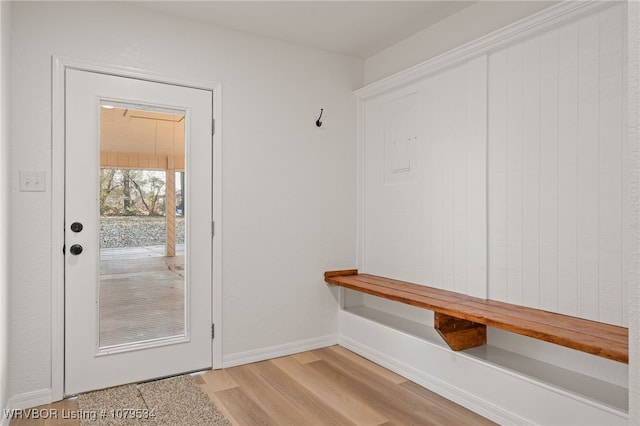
{"x":58,"y":66}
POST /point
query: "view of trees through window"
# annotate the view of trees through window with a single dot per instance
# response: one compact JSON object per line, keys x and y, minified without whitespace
{"x":129,"y":192}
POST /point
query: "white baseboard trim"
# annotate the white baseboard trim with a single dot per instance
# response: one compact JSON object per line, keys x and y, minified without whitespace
{"x":465,"y":399}
{"x":279,"y":350}
{"x":31,"y":399}
{"x":25,"y":400}
{"x":6,"y":417}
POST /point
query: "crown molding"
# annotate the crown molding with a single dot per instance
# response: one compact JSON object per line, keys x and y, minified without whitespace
{"x":546,"y":19}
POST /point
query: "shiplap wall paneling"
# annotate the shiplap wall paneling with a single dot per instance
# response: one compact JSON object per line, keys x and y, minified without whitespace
{"x":611,"y":44}
{"x":455,"y":177}
{"x":515,"y":104}
{"x":549,"y":171}
{"x":425,"y":215}
{"x":588,"y":135}
{"x":443,"y":195}
{"x":392,"y":209}
{"x":498,"y":188}
{"x":476,"y":163}
{"x":555,"y":160}
{"x":531,"y":174}
{"x":567,"y":276}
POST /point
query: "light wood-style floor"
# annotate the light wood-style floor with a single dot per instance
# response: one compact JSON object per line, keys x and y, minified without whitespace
{"x":330,"y":386}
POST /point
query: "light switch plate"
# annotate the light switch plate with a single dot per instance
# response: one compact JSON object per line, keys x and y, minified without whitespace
{"x":32,"y":181}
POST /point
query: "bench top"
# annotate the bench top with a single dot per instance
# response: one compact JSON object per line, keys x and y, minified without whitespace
{"x":605,"y":340}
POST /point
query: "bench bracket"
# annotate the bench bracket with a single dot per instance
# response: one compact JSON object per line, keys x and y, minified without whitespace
{"x":458,"y":333}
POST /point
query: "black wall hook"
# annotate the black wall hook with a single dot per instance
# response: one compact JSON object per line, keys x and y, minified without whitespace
{"x":318,"y":121}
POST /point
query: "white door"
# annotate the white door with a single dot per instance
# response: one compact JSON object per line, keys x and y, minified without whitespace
{"x":138,"y":240}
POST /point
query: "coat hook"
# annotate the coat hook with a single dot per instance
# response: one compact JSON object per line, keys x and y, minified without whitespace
{"x":318,"y":122}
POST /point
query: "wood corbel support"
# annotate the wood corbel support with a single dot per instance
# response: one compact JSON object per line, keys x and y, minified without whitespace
{"x":458,"y":333}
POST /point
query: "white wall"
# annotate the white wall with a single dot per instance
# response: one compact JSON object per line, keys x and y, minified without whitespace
{"x":470,"y":23}
{"x":282,"y":176}
{"x":5,"y":78}
{"x":632,"y":256}
{"x":557,"y":170}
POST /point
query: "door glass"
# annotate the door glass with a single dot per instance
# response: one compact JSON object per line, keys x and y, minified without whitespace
{"x":142,"y":224}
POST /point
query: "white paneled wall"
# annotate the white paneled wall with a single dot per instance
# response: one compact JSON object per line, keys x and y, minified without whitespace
{"x":424,"y":206}
{"x":530,"y":135}
{"x":498,"y":170}
{"x":556,"y":125}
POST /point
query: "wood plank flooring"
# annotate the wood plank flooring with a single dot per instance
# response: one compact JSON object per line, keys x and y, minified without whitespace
{"x":329,"y":386}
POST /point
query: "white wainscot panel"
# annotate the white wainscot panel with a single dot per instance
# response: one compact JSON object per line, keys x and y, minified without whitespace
{"x":424,"y":181}
{"x":556,"y":168}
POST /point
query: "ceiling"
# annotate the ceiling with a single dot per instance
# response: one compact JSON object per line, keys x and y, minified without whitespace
{"x":146,"y":133}
{"x":355,"y":28}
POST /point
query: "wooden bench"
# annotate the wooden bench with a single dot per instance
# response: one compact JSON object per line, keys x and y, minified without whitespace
{"x":461,"y":320}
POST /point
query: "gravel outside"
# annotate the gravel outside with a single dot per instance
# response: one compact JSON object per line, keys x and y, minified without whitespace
{"x":136,"y":231}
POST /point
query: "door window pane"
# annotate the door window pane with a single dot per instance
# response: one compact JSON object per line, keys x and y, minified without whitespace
{"x":142,"y":226}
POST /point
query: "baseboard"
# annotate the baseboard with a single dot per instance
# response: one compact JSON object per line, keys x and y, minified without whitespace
{"x":452,"y":393}
{"x":6,"y":418}
{"x":31,"y":399}
{"x":26,"y":400}
{"x":279,"y":350}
